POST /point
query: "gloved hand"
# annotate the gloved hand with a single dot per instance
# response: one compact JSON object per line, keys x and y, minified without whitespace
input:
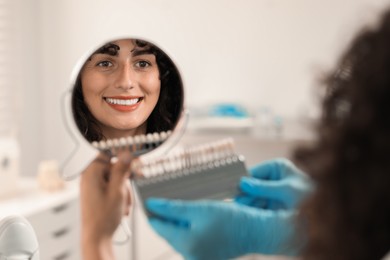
{"x":274,"y":184}
{"x":222,"y":230}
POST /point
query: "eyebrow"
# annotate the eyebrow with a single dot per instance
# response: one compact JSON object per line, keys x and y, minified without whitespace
{"x":138,"y":52}
{"x":113,"y":50}
{"x":109,"y":48}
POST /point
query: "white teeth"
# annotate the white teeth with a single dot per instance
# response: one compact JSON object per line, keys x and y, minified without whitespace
{"x":123,"y":102}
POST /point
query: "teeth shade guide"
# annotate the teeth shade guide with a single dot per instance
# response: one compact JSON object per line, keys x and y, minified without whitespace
{"x":208,"y":171}
{"x":138,"y":144}
{"x":191,"y":157}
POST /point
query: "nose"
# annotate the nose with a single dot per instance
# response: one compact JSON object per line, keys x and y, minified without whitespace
{"x":125,"y":78}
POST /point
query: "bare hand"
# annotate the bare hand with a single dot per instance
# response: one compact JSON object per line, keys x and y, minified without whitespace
{"x":105,"y":196}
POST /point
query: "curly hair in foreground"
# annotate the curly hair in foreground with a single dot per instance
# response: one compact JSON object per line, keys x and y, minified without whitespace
{"x":348,"y":216}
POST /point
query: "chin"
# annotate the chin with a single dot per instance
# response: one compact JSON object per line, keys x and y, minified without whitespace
{"x":131,"y":127}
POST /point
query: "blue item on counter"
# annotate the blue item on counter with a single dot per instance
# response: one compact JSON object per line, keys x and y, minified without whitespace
{"x":228,"y":110}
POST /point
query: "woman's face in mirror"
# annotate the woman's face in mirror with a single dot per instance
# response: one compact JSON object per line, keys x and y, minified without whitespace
{"x":127,"y":87}
{"x":121,"y":86}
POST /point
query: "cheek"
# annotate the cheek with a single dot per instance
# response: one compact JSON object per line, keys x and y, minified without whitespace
{"x":87,"y":83}
{"x":91,"y":90}
{"x":92,"y":84}
{"x":156,"y":94}
{"x":87,"y":94}
{"x":152,"y":87}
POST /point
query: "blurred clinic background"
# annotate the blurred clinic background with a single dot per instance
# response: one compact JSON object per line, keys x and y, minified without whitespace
{"x":250,"y":70}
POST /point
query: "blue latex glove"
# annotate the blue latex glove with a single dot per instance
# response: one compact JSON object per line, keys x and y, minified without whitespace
{"x":274,"y":184}
{"x":221,"y":230}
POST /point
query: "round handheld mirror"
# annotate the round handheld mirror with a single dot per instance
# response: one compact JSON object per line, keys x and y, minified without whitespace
{"x":127,"y":93}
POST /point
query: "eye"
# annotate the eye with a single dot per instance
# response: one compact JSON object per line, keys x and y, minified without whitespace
{"x":104,"y":64}
{"x":142,"y":64}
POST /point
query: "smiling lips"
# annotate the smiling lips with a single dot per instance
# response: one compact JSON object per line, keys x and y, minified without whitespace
{"x":123,"y":104}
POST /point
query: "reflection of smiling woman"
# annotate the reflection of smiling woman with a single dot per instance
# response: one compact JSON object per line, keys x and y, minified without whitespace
{"x":127,"y":87}
{"x":121,"y":87}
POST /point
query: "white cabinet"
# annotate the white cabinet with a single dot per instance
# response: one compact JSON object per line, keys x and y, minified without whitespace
{"x":53,"y":215}
{"x":57,"y":230}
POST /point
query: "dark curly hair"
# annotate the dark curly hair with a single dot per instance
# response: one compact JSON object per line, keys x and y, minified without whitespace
{"x":164,"y":116}
{"x":348,"y":215}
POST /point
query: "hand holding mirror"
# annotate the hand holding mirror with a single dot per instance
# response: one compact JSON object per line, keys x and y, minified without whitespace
{"x":128,"y":93}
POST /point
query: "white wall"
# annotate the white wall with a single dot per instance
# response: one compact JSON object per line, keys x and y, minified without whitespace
{"x":257,"y":52}
{"x":28,"y":84}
